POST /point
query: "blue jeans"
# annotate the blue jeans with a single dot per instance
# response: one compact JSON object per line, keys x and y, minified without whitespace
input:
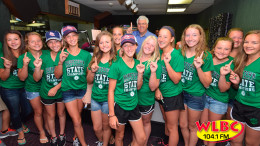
{"x":72,"y":94}
{"x":216,"y":106}
{"x":196,"y":103}
{"x":18,"y":106}
{"x":103,"y":106}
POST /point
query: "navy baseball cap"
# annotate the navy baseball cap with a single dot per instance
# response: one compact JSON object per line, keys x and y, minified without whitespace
{"x":52,"y":35}
{"x":68,"y":29}
{"x":128,"y":38}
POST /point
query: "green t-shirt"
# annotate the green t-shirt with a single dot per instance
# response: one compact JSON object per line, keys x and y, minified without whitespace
{"x":74,"y":70}
{"x":145,"y":95}
{"x":190,"y":79}
{"x":30,"y":84}
{"x":249,"y":88}
{"x":126,"y":86}
{"x":213,"y":90}
{"x":12,"y":82}
{"x":117,"y":53}
{"x":48,"y":78}
{"x":100,"y":83}
{"x":167,"y":87}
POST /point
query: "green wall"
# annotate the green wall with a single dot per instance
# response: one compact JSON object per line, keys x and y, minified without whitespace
{"x":245,"y":13}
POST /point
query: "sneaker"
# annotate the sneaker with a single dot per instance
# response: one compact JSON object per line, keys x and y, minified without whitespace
{"x":9,"y":132}
{"x":99,"y":143}
{"x":53,"y":141}
{"x":2,"y":143}
{"x":62,"y":140}
{"x":76,"y":142}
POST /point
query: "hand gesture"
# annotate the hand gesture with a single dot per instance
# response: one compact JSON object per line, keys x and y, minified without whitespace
{"x":94,"y":66}
{"x":52,"y":91}
{"x":224,"y":70}
{"x":154,"y":65}
{"x":198,"y":61}
{"x":167,"y":58}
{"x":38,"y":61}
{"x":130,"y":29}
{"x":113,"y":122}
{"x":234,"y":78}
{"x":63,"y":55}
{"x":140,"y":68}
{"x":7,"y":63}
{"x":26,"y":60}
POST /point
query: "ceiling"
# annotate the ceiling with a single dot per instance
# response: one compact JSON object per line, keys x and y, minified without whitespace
{"x":146,"y":7}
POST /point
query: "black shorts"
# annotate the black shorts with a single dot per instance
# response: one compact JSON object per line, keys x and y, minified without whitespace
{"x":172,"y":103}
{"x":123,"y":115}
{"x":246,"y":114}
{"x":146,"y":109}
{"x":51,"y":101}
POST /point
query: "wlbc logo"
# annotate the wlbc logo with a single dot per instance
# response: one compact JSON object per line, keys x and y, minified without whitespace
{"x":219,"y":131}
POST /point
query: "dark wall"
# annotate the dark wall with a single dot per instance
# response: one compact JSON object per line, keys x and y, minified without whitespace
{"x":178,"y":22}
{"x":245,"y":13}
{"x":57,"y":7}
{"x":5,"y":20}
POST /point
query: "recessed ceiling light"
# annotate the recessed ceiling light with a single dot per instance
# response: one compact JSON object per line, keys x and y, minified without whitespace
{"x":171,"y":2}
{"x":128,"y":2}
{"x":136,"y":9}
{"x":176,"y":9}
{"x":133,"y":6}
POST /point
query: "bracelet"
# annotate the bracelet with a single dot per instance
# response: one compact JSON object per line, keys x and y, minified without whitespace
{"x":110,"y":116}
{"x":60,"y":63}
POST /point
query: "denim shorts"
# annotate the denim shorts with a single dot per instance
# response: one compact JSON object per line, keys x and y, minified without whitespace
{"x":72,"y":94}
{"x":103,"y":106}
{"x":216,"y":106}
{"x":196,"y":103}
{"x":32,"y":95}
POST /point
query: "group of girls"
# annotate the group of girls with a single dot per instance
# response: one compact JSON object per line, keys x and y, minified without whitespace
{"x":191,"y":84}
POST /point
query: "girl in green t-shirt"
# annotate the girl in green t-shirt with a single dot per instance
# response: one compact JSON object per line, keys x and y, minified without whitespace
{"x":72,"y":66}
{"x":149,"y":55}
{"x":216,"y":103}
{"x":50,"y":88}
{"x":103,"y":56}
{"x":118,"y":32}
{"x":12,"y":89}
{"x":169,"y":93}
{"x":196,"y":76}
{"x":237,"y":35}
{"x":246,"y":78}
{"x":34,"y":44}
{"x":125,"y":78}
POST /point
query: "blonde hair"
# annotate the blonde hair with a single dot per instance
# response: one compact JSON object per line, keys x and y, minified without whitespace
{"x":26,"y":39}
{"x":242,"y":58}
{"x":98,"y":53}
{"x":155,"y":54}
{"x":222,"y":39}
{"x":202,"y":44}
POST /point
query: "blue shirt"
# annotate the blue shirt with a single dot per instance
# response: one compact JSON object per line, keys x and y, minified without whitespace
{"x":141,"y":39}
